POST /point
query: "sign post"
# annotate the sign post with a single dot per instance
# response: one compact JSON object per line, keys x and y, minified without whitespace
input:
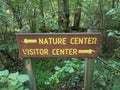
{"x":59,"y":45}
{"x":28,"y":66}
{"x":89,"y":67}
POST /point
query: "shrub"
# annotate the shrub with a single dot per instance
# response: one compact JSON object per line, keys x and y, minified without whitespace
{"x":12,"y":81}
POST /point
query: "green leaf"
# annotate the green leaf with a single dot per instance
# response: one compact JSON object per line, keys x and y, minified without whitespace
{"x":3,"y":89}
{"x":19,"y":84}
{"x":102,"y":83}
{"x":110,"y":12}
{"x":3,"y":79}
{"x":71,"y":70}
{"x":23,"y":78}
{"x":21,"y":88}
{"x":13,"y":76}
{"x":57,"y":68}
{"x":110,"y":33}
{"x":12,"y":88}
{"x":26,"y":89}
{"x":4,"y":73}
{"x":57,"y":80}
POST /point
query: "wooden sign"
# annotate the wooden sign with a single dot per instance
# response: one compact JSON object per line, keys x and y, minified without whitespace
{"x":58,"y":45}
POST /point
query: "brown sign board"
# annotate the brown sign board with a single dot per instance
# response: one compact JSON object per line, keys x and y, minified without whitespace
{"x":58,"y":45}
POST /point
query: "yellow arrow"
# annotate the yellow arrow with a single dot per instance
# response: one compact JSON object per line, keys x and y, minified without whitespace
{"x":29,"y":41}
{"x":89,"y":51}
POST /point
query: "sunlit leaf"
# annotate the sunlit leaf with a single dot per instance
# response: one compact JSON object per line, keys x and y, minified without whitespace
{"x":4,"y":73}
{"x":23,"y":78}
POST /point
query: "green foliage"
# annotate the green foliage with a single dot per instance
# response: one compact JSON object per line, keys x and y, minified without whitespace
{"x":70,"y":74}
{"x":115,"y":34}
{"x":43,"y":70}
{"x":12,"y":81}
{"x":9,"y":52}
{"x":114,"y":12}
{"x":106,"y":78}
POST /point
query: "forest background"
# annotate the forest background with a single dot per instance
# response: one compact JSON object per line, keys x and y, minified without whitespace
{"x":62,"y":16}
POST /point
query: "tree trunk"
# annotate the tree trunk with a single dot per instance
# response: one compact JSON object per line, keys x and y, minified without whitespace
{"x":117,"y":4}
{"x":42,"y":15}
{"x":77,"y":18}
{"x":66,"y":12}
{"x":113,"y":3}
{"x":63,"y":14}
{"x":101,"y":14}
{"x":33,"y":22}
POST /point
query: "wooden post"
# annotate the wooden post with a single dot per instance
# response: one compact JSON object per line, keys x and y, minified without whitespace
{"x":89,"y":68}
{"x":28,"y":66}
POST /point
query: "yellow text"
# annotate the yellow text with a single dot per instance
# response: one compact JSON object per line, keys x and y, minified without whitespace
{"x":52,"y":40}
{"x":66,"y":51}
{"x":83,"y":40}
{"x":35,"y":51}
